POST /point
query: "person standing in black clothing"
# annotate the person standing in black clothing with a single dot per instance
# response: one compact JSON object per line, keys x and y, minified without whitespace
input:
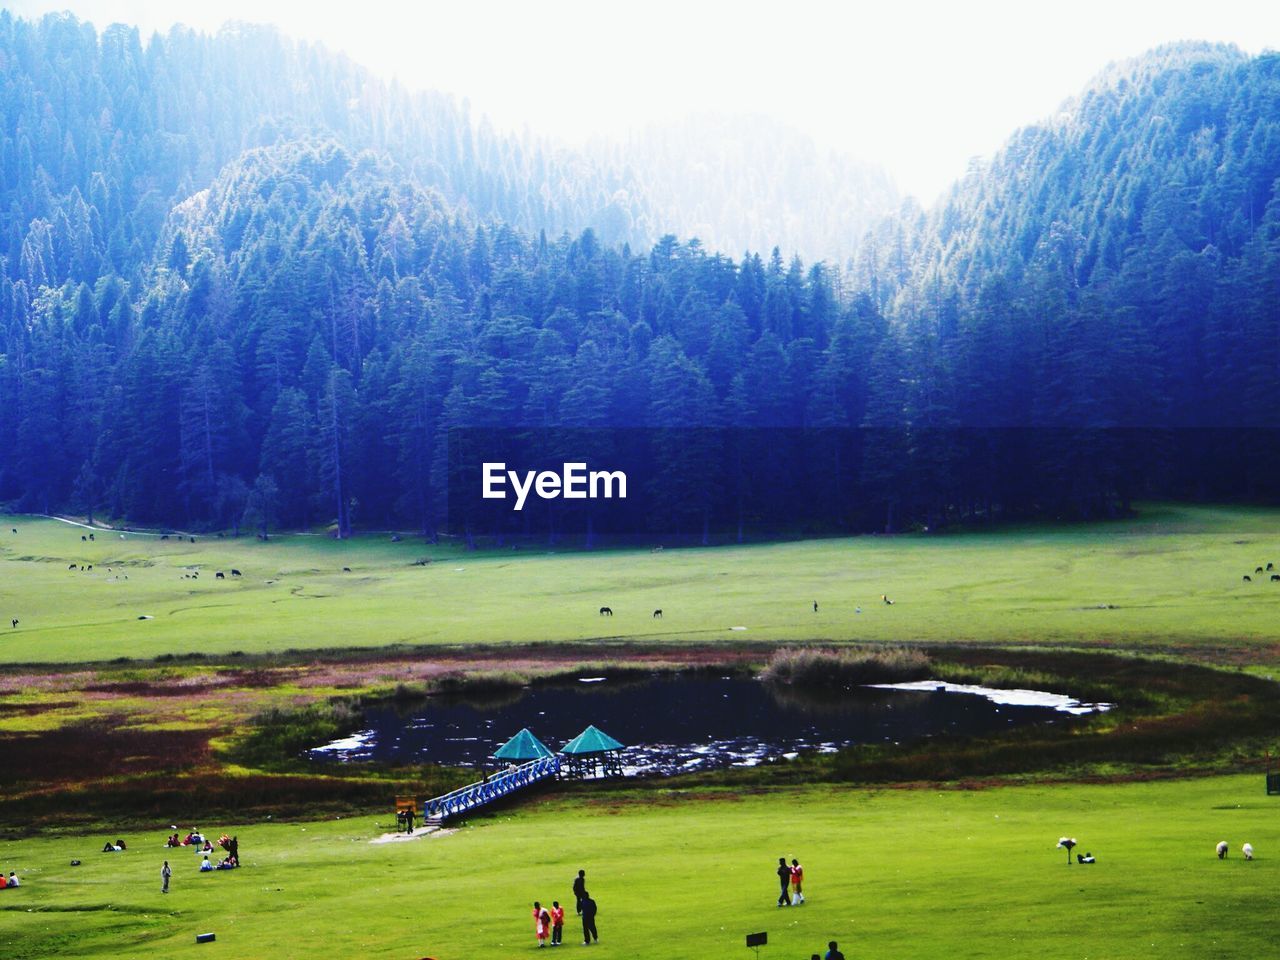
{"x":408,"y":820}
{"x":588,"y":907}
{"x":784,"y":877}
{"x":580,"y":890}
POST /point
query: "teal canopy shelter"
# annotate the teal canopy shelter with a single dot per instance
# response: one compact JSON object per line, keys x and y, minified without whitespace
{"x":592,"y":753}
{"x":591,"y":740}
{"x":523,"y":747}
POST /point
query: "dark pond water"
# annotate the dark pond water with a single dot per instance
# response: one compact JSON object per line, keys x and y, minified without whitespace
{"x":681,"y":723}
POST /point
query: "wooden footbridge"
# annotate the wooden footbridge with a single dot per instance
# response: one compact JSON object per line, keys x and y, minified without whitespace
{"x":465,"y":799}
{"x":592,"y":753}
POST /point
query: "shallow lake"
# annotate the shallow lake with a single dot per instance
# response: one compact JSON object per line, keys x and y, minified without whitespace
{"x":672,"y":724}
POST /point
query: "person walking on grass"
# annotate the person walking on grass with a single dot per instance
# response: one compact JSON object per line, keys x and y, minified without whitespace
{"x":541,"y":923}
{"x":797,"y":883}
{"x":589,"y":932}
{"x":580,"y":890}
{"x":784,"y":878}
{"x":408,"y":821}
{"x":165,"y":874}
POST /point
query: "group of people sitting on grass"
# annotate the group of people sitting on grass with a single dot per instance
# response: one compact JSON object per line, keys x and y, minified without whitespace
{"x":230,"y":861}
{"x":226,"y":863}
{"x":10,"y":881}
{"x":193,"y":839}
{"x":204,"y":845}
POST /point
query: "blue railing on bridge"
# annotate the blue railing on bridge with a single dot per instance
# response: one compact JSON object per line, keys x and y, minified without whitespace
{"x":486,"y":791}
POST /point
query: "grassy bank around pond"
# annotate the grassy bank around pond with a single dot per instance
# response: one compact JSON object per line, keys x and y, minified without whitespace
{"x":128,"y":744}
{"x":901,"y":874}
{"x":1171,"y":577}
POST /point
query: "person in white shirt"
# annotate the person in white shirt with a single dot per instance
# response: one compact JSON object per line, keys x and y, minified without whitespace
{"x":205,"y":865}
{"x":13,"y":879}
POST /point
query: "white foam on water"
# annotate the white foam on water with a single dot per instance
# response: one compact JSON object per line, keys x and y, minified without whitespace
{"x":353,"y":742}
{"x":1014,"y":698}
{"x":591,"y":679}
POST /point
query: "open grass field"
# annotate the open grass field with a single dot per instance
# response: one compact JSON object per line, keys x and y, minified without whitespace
{"x":1170,"y":576}
{"x":890,"y":874}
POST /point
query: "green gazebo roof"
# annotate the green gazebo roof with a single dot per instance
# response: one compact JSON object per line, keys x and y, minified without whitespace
{"x":591,"y":740}
{"x":523,"y":746}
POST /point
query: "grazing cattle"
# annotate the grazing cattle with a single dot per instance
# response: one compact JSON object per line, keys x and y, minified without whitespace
{"x":1247,"y":850}
{"x":1275,"y":578}
{"x":1248,"y":579}
{"x":235,"y":572}
{"x":13,"y":530}
{"x":1271,"y":566}
{"x":346,"y":569}
{"x":83,"y":538}
{"x":71,"y":567}
{"x":220,"y":575}
{"x":164,"y":537}
{"x":815,"y":606}
{"x":14,"y":624}
{"x":91,"y":566}
{"x":1259,"y":570}
{"x":193,"y":539}
{"x":657,"y":614}
{"x":91,"y":536}
{"x":1221,"y":849}
{"x":606,"y":611}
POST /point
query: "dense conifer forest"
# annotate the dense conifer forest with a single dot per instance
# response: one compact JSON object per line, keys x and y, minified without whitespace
{"x":243,"y":283}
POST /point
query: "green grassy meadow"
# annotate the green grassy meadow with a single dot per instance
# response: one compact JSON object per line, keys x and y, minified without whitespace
{"x":1171,"y":576}
{"x":890,"y":874}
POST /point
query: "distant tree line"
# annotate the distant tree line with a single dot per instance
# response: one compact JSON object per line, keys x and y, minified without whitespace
{"x":194,"y":333}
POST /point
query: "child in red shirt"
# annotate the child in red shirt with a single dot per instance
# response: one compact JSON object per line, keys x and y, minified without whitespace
{"x":541,"y":923}
{"x":797,"y":883}
{"x":557,"y":923}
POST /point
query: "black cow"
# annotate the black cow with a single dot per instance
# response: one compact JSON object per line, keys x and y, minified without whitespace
{"x":606,"y":611}
{"x":657,"y":614}
{"x":1259,"y":570}
{"x":235,"y":572}
{"x":346,"y":569}
{"x":1275,"y":578}
{"x":91,"y":536}
{"x":1271,"y":566}
{"x":83,"y":538}
{"x":193,"y":539}
{"x":220,"y":575}
{"x":15,"y":624}
{"x":165,"y":537}
{"x":1248,"y":579}
{"x":71,"y":567}
{"x":815,"y":606}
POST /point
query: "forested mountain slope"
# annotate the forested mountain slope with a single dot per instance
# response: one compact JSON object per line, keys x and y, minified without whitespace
{"x":290,"y":331}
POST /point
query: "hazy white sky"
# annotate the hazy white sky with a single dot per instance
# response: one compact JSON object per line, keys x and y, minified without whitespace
{"x":920,"y":87}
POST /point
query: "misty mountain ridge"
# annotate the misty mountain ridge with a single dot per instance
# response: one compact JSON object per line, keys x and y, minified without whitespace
{"x":242,"y":283}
